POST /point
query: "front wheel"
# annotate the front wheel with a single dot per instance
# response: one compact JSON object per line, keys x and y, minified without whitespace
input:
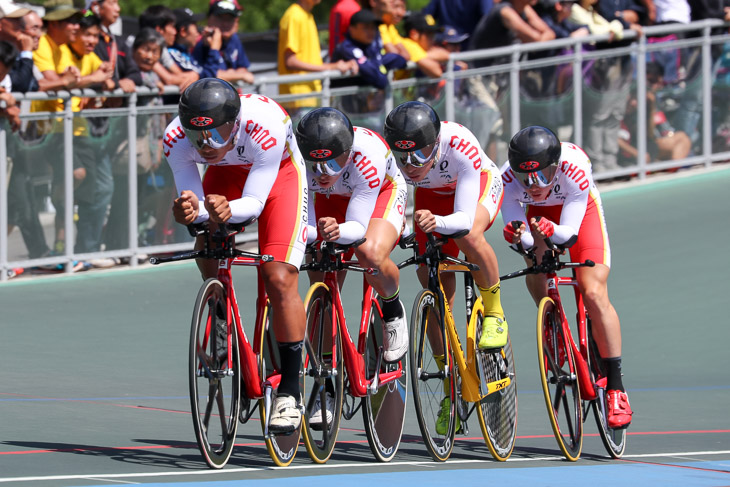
{"x":559,"y":380}
{"x":432,"y":376}
{"x":384,"y":412}
{"x":323,"y":379}
{"x":497,"y":411}
{"x":214,"y":387}
{"x":614,"y":440}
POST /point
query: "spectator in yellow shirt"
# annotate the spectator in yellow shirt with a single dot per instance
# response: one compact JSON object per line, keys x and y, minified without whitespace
{"x":300,"y":52}
{"x":421,"y":30}
{"x":390,"y":13}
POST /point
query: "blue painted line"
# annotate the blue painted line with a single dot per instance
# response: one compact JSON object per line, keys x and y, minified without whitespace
{"x":595,"y":476}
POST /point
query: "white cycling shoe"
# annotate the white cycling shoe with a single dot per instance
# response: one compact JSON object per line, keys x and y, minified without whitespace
{"x":395,"y":338}
{"x":315,"y":420}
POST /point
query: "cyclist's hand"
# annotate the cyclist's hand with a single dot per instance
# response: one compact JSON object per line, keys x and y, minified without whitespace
{"x":543,"y":227}
{"x":218,"y":208}
{"x":185,"y":208}
{"x":425,"y":220}
{"x":328,"y":228}
{"x":513,"y":232}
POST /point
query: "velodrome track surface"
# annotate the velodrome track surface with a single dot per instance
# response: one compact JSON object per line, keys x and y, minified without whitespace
{"x":93,"y":388}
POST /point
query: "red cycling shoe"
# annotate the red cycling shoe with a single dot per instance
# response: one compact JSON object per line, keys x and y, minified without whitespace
{"x":619,"y":409}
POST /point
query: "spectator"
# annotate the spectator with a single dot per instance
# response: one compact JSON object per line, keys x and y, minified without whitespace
{"x":363,"y":45}
{"x":97,"y":74}
{"x":421,"y":31}
{"x":220,"y":51}
{"x":53,"y":60}
{"x":185,"y":39}
{"x":462,"y":15}
{"x":162,"y":19}
{"x":12,"y":30}
{"x":392,"y":40}
{"x":113,"y":49}
{"x":147,"y":49}
{"x":339,"y":22}
{"x":300,"y":52}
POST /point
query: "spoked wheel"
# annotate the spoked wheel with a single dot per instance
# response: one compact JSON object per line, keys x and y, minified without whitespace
{"x":432,"y":373}
{"x":281,"y":448}
{"x":613,"y":439}
{"x":384,"y":412}
{"x":214,"y":388}
{"x":497,"y":411}
{"x":559,"y":380}
{"x":323,"y":379}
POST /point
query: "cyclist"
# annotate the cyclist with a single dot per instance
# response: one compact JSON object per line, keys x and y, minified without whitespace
{"x":358,"y":192}
{"x":457,"y":188}
{"x":553,"y":180}
{"x":253,"y":168}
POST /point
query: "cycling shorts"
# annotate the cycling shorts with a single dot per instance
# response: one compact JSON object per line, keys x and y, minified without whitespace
{"x":282,"y":224}
{"x":592,"y":242}
{"x":438,"y":203}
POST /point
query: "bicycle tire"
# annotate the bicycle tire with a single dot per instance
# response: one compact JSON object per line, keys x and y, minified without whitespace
{"x":282,"y":448}
{"x":320,"y":439}
{"x":559,"y":381}
{"x":384,"y":412}
{"x":498,"y":411}
{"x":209,"y":384}
{"x":427,"y":379}
{"x":614,"y":440}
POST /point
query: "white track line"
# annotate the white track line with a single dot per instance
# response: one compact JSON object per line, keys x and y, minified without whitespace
{"x":322,"y":467}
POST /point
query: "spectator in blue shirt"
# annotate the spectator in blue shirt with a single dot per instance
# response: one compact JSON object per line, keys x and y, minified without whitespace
{"x":463,"y":15}
{"x":220,"y":51}
{"x":185,"y":39}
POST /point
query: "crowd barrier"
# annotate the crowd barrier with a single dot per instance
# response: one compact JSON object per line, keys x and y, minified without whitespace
{"x":581,"y":88}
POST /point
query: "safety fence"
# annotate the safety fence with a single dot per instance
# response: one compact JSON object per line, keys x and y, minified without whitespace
{"x":94,"y":184}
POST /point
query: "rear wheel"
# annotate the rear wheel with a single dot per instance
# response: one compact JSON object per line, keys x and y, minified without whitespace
{"x":432,"y":376}
{"x":613,"y":439}
{"x":323,"y":374}
{"x":214,"y":388}
{"x":281,"y":448}
{"x":559,"y":380}
{"x":384,"y":412}
{"x":497,"y":411}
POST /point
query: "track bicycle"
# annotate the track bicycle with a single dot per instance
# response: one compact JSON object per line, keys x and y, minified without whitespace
{"x":573,"y":376}
{"x":228,"y":376}
{"x":471,"y":379}
{"x":348,"y":370}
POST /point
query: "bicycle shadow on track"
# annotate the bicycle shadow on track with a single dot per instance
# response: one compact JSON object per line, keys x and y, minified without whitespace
{"x":150,"y":456}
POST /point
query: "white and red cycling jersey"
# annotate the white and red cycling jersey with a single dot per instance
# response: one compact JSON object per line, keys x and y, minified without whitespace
{"x":458,"y":172}
{"x":573,"y":205}
{"x":370,"y":186}
{"x":263,"y":176}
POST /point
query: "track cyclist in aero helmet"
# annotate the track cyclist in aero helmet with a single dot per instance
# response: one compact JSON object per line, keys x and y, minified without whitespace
{"x":553,"y":180}
{"x":358,"y":192}
{"x":253,"y":168}
{"x":457,"y":188}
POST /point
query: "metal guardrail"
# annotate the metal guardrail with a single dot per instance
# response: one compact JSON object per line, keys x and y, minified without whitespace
{"x":513,"y":110}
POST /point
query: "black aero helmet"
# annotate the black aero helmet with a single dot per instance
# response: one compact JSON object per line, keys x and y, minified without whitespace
{"x":324,"y":134}
{"x":208,"y":103}
{"x":411,"y":126}
{"x":532,"y":149}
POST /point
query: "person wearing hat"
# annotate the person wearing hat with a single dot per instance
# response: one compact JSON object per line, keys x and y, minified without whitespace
{"x":187,"y":35}
{"x":220,"y":51}
{"x":421,"y":30}
{"x":163,"y":20}
{"x":299,"y":52}
{"x":12,"y":30}
{"x":462,"y":15}
{"x":62,"y":25}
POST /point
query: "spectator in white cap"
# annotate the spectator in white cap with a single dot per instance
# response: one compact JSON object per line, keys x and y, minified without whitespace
{"x":12,"y":30}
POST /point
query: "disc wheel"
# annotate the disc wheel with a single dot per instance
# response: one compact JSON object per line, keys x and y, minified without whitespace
{"x":214,"y":388}
{"x":384,"y":411}
{"x":497,"y":411}
{"x":281,"y":448}
{"x":613,"y":439}
{"x":559,"y":380}
{"x":323,"y":374}
{"x":430,"y":378}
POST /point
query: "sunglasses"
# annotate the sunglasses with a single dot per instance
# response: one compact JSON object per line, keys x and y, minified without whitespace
{"x":216,"y":138}
{"x":420,"y":157}
{"x":542,"y":178}
{"x":328,"y":167}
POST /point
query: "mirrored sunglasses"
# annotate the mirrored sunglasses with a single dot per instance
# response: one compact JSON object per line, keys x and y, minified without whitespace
{"x":417,"y":158}
{"x":542,"y":178}
{"x":216,"y":138}
{"x":328,"y":167}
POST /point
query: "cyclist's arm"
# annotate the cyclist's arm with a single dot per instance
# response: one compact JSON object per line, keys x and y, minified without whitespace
{"x":187,"y":177}
{"x":571,"y":217}
{"x":465,"y":202}
{"x":258,"y":185}
{"x":512,"y":210}
{"x":359,"y":210}
{"x":311,"y":220}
